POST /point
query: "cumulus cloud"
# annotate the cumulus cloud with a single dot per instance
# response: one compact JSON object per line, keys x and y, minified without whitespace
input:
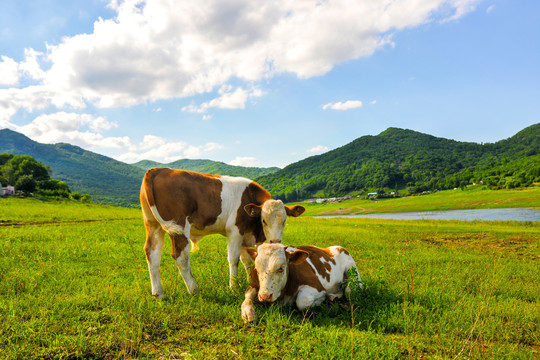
{"x":9,"y":71}
{"x":227,"y":100}
{"x":87,"y":130}
{"x":164,"y":49}
{"x":160,"y":149}
{"x":244,"y":161}
{"x":347,"y":105}
{"x":317,"y":149}
{"x":79,"y":129}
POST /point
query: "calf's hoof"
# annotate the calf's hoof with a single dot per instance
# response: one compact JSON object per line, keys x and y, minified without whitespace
{"x":194,"y":290}
{"x":248,"y":313}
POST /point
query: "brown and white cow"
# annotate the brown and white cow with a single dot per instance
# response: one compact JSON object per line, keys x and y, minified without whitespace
{"x":189,"y":205}
{"x":303,"y":275}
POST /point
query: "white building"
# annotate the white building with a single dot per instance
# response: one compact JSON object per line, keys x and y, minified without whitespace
{"x":7,"y":190}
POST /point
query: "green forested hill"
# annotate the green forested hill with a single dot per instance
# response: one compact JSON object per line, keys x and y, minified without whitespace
{"x":394,"y":159}
{"x":210,"y":167}
{"x":405,"y":159}
{"x":105,"y":179}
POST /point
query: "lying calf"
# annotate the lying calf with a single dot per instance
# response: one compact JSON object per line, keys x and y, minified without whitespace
{"x":303,"y":275}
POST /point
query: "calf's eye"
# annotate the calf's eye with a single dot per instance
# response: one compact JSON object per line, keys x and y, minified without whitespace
{"x":280,"y":270}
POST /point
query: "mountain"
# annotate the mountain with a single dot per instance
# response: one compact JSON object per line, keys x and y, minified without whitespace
{"x":406,"y":159}
{"x":210,"y":167}
{"x":394,"y":159}
{"x":105,"y":179}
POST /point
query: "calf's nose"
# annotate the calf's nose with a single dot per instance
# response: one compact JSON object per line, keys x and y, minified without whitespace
{"x":265,"y":297}
{"x":275,"y":241}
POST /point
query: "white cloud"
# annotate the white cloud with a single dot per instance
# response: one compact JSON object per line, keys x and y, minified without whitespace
{"x":9,"y":71}
{"x":164,"y":49}
{"x":227,"y":100}
{"x":460,"y":8}
{"x":244,"y":161}
{"x":373,"y":102}
{"x":160,"y":149}
{"x":78,"y":129}
{"x":347,"y":105}
{"x":318,"y":149}
{"x":490,"y":9}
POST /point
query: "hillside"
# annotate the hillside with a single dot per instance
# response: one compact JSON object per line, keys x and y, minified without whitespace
{"x":412,"y":161}
{"x":210,"y":167}
{"x":105,"y":179}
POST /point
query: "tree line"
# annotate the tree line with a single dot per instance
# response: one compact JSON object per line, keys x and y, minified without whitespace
{"x":410,"y":162}
{"x":29,"y":176}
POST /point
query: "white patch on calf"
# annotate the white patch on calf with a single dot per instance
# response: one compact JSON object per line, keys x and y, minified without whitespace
{"x":308,"y":296}
{"x":170,"y":226}
{"x":231,"y":198}
{"x":273,"y":216}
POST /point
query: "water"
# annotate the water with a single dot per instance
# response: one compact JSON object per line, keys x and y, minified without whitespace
{"x":509,"y":214}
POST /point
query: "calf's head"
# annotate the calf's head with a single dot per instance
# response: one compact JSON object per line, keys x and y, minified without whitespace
{"x":273,"y":215}
{"x":272,"y":265}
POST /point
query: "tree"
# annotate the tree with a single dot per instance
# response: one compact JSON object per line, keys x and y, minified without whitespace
{"x":26,"y":184}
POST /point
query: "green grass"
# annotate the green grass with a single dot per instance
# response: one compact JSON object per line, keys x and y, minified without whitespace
{"x":434,"y":289}
{"x":472,"y":197}
{"x":36,"y":211}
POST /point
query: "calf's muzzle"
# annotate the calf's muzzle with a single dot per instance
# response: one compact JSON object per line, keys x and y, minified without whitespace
{"x":265,"y":297}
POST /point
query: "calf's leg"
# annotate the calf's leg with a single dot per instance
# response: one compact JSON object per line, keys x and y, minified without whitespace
{"x":180,"y":254}
{"x":234,"y":246}
{"x":153,"y":249}
{"x":246,"y":261}
{"x":248,"y":307}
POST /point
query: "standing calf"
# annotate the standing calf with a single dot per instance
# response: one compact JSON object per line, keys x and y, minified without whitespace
{"x":189,"y":205}
{"x":303,"y":275}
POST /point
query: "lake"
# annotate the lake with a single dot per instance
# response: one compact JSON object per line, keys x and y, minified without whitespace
{"x":508,"y":214}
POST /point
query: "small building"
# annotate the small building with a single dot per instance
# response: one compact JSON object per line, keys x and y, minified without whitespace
{"x":8,"y":190}
{"x":372,"y":194}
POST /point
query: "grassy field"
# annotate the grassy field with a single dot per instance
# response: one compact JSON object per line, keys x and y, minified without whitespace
{"x":74,"y":284}
{"x":472,"y":197}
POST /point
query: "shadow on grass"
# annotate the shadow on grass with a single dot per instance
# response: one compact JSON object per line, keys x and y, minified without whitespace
{"x":367,"y":309}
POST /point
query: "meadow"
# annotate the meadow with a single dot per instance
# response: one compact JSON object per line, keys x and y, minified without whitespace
{"x":74,"y":284}
{"x":470,"y":197}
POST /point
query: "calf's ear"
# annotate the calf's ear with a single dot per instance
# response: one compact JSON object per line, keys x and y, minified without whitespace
{"x":296,"y":257}
{"x":252,"y":253}
{"x":295,"y":210}
{"x":253,"y":210}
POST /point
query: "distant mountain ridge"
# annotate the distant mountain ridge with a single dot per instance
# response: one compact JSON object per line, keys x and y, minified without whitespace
{"x":209,"y":167}
{"x":396,"y":159}
{"x":107,"y":180}
{"x":406,"y":159}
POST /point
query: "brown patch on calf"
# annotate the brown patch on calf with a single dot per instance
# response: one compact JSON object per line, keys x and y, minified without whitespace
{"x":179,"y":244}
{"x":178,"y":194}
{"x":304,"y":274}
{"x":315,"y":255}
{"x":298,"y":275}
{"x":257,"y":195}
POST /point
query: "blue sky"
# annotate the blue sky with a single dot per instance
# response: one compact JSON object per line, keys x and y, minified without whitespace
{"x":264,"y":84}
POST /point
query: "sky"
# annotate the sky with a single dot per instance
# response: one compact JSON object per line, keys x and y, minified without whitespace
{"x":259,"y":83}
